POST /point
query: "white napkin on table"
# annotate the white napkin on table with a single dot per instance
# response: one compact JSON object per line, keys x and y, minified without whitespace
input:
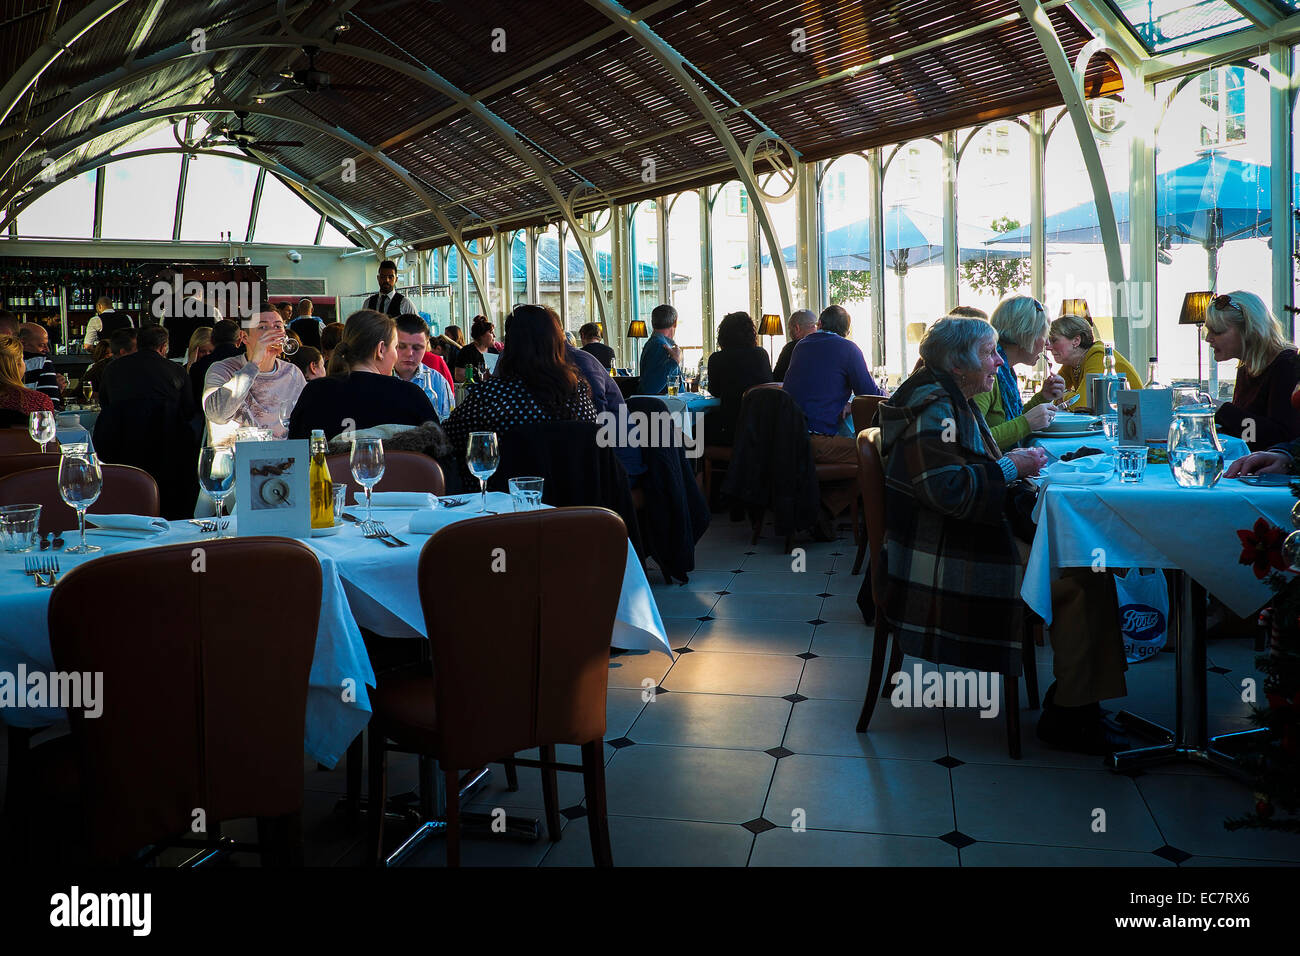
{"x":128,"y":526}
{"x":1092,"y":470}
{"x":397,"y":499}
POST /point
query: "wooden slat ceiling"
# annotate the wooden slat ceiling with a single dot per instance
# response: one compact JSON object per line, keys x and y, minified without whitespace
{"x":584,"y":99}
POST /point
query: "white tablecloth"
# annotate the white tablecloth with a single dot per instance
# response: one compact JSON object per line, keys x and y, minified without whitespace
{"x":380,"y":581}
{"x":1154,"y":524}
{"x":1233,"y":448}
{"x":332,"y":722}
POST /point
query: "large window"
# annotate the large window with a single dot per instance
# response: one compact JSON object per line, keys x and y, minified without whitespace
{"x":577,"y":282}
{"x":1213,"y":208}
{"x":218,"y":198}
{"x":996,"y":164}
{"x":684,"y":279}
{"x":645,"y":258}
{"x":518,"y":267}
{"x":67,"y":210}
{"x":283,"y":216}
{"x":140,"y":194}
{"x":548,"y":268}
{"x":730,"y":249}
{"x":913,"y":228}
{"x":846,"y":241}
{"x":783,"y":224}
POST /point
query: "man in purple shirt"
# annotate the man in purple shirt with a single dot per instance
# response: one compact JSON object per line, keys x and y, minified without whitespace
{"x":826,"y":371}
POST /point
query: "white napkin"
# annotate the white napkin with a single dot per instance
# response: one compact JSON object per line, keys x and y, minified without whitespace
{"x":397,"y":499}
{"x":1092,"y":470}
{"x":128,"y":526}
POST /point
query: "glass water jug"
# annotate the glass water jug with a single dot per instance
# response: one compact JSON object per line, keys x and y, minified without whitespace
{"x":1195,"y":455}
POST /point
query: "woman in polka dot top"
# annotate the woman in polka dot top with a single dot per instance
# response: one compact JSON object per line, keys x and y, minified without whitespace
{"x":534,"y":382}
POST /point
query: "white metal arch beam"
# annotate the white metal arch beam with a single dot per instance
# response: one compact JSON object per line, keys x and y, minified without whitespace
{"x":114,"y":80}
{"x":673,"y":63}
{"x":324,"y":202}
{"x":335,"y":132}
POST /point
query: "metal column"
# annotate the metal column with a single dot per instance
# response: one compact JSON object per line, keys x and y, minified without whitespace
{"x":1281,"y":102}
{"x":877,"y":257}
{"x":950,"y":238}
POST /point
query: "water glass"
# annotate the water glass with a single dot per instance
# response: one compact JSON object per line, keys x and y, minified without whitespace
{"x":80,"y":482}
{"x":42,"y":426}
{"x":367,"y":465}
{"x":340,"y":501}
{"x":217,"y":475}
{"x":526,"y":492}
{"x":1110,"y":426}
{"x":20,"y":527}
{"x":482,"y":456}
{"x":1130,"y":463}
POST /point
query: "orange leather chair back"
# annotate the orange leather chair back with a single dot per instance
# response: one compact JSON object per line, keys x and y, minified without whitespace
{"x":126,"y":490}
{"x":531,"y":666}
{"x":871,"y":483}
{"x":403,"y":471}
{"x":864,"y":410}
{"x":12,"y":463}
{"x":204,"y":694}
{"x":16,"y":441}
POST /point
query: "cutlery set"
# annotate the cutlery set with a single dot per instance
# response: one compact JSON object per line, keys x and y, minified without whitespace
{"x":58,"y":540}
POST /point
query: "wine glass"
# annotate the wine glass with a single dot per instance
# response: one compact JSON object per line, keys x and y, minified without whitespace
{"x":80,"y":481}
{"x":87,"y":389}
{"x":42,"y":426}
{"x":483,"y":456}
{"x":367,"y":465}
{"x":217,"y":475}
{"x":290,"y":345}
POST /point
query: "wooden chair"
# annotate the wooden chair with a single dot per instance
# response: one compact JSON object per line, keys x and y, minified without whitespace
{"x":871,"y":478}
{"x":536,"y":675}
{"x":17,"y":441}
{"x":199,"y":713}
{"x":127,"y":490}
{"x":863,"y":410}
{"x":403,"y":471}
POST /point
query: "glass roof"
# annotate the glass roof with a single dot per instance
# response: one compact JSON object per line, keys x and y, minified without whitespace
{"x":1165,"y":24}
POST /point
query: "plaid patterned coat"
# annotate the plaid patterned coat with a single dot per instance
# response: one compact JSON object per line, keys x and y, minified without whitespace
{"x":952,"y":568}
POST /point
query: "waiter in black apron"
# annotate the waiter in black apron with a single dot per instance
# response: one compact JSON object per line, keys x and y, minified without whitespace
{"x":386,"y":300}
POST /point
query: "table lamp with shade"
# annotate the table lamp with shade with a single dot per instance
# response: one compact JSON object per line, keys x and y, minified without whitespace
{"x":637,"y":330}
{"x":1193,"y":313}
{"x":770,"y":326}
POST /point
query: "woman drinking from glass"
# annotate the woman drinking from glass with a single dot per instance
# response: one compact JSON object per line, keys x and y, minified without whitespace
{"x":1021,"y":325}
{"x":253,"y":389}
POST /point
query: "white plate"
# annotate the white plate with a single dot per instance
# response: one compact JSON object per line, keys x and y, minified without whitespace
{"x":326,"y":532}
{"x":1086,"y":478}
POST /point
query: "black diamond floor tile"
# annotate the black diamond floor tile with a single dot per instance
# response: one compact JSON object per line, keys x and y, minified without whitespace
{"x":1218,"y":670}
{"x":618,"y":743}
{"x":795,"y":698}
{"x":807,"y":655}
{"x":779,"y":752}
{"x":958,"y":839}
{"x":574,"y":812}
{"x":759,"y":825}
{"x":949,"y":762}
{"x":816,"y":621}
{"x":1172,"y":854}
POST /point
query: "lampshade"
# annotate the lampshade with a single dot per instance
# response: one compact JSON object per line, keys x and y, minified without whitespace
{"x":1194,"y":306}
{"x":770,"y":325}
{"x":915,"y":331}
{"x":637,"y":329}
{"x":1077,"y":307}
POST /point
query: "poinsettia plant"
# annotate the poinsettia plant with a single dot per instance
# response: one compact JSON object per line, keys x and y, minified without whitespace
{"x":1274,"y":756}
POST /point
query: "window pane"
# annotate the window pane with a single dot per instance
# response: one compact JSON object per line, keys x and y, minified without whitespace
{"x":577,"y":291}
{"x":730,"y":251}
{"x":332,"y":237}
{"x":1173,"y":23}
{"x":519,"y":268}
{"x":548,"y":268}
{"x":783,"y":223}
{"x":991,"y":199}
{"x":283,"y":216}
{"x":140,"y":194}
{"x":913,"y":227}
{"x":218,"y":198}
{"x":846,"y":235}
{"x":684,"y":263}
{"x":67,"y":210}
{"x":1213,"y":207}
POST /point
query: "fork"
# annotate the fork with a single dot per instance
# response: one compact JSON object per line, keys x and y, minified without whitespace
{"x":36,"y":566}
{"x":376,"y":530}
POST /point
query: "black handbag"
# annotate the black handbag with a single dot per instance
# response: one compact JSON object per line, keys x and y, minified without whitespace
{"x":1022,"y":497}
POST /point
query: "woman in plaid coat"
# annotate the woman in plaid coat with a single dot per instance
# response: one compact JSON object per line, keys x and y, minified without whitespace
{"x":952,"y":566}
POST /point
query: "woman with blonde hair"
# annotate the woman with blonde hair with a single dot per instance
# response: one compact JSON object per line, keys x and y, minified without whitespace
{"x":1240,"y":326}
{"x":1073,"y":341}
{"x":16,"y":400}
{"x":199,"y":346}
{"x":1021,"y":325}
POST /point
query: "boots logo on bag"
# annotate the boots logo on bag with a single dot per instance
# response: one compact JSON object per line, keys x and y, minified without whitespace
{"x":1140,"y":622}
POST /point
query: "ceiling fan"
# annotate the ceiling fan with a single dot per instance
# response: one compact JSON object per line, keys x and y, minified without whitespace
{"x":242,"y":137}
{"x":312,"y":79}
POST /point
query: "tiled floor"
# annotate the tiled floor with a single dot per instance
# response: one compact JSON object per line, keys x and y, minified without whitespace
{"x":742,"y":751}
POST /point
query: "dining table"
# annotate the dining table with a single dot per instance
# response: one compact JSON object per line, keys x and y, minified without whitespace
{"x":1100,"y":522}
{"x":365,"y":583}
